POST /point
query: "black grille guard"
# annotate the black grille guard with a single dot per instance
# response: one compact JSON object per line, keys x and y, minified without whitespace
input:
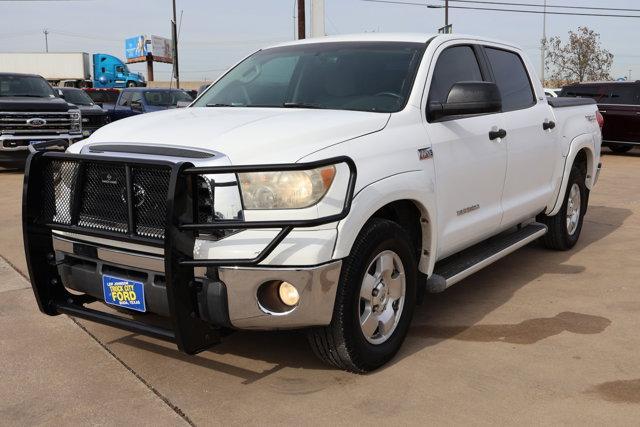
{"x":188,"y":330}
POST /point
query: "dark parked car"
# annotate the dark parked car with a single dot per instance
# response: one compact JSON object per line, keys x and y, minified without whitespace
{"x":105,"y":98}
{"x":93,"y":116}
{"x":133,"y":101}
{"x":619,"y":103}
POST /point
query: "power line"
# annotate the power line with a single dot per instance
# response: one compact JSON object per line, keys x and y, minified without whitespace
{"x":537,"y":12}
{"x":553,"y":6}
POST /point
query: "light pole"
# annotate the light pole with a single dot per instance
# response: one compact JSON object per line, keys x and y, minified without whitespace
{"x":544,"y":40}
{"x":46,"y":40}
{"x":174,"y":36}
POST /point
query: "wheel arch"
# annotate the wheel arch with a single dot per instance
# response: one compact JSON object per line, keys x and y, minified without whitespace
{"x":581,"y":151}
{"x":401,"y":198}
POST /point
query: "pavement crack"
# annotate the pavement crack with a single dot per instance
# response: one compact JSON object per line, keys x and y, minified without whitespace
{"x":151,"y":388}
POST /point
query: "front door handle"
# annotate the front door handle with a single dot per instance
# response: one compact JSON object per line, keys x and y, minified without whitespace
{"x":548,"y":125}
{"x":495,"y":134}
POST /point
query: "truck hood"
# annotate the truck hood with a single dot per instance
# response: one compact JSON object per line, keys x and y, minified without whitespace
{"x":19,"y":103}
{"x":244,"y":135}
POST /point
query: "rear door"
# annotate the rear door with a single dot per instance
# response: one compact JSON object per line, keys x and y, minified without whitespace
{"x":532,"y":151}
{"x":619,"y":106}
{"x":470,"y":167}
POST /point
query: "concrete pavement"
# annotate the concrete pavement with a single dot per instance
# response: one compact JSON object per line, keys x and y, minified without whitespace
{"x":540,"y":337}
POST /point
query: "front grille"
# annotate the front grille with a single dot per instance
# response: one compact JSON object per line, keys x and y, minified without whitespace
{"x":94,"y":120}
{"x":17,"y":123}
{"x":98,"y":192}
{"x":103,"y":203}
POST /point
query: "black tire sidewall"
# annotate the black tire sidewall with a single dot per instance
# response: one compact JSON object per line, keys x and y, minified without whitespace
{"x":387,"y":236}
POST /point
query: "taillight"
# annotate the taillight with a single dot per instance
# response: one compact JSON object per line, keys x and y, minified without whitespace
{"x":600,"y":119}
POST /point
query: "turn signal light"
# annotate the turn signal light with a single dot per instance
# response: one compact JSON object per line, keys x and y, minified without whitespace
{"x":600,"y":119}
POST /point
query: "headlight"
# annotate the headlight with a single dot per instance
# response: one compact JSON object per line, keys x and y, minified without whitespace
{"x":285,"y":189}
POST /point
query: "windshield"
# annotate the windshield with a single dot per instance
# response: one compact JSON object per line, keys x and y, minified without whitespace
{"x":31,"y":86}
{"x":362,"y":76}
{"x":77,"y":97}
{"x":103,"y":96}
{"x":166,"y":98}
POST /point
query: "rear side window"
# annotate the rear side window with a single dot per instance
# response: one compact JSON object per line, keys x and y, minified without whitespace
{"x":455,"y":64}
{"x":125,"y":99}
{"x":512,"y":79}
{"x":604,"y":94}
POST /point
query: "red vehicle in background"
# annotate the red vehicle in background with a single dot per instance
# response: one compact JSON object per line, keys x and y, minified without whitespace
{"x":619,"y":104}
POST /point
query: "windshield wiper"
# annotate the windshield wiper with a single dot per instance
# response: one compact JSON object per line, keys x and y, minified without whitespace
{"x":302,"y":105}
{"x":219,"y":104}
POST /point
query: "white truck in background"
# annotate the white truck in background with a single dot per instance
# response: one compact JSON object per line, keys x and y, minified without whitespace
{"x":324,"y":184}
{"x":54,"y":67}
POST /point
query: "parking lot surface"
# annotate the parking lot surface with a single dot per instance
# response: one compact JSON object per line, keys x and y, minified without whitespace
{"x":538,"y":337}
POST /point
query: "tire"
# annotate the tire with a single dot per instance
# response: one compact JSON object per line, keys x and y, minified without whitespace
{"x":131,"y":84}
{"x":620,"y":149}
{"x":564,"y":234}
{"x":343,"y":343}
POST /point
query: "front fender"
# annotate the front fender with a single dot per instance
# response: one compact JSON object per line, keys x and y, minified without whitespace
{"x":586,"y":142}
{"x":415,"y":186}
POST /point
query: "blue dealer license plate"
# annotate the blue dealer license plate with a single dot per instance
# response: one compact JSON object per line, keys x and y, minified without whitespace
{"x":123,"y":293}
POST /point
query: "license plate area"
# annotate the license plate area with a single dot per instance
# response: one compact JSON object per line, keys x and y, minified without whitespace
{"x":124,"y":293}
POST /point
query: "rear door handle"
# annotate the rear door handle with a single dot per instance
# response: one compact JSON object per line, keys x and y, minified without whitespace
{"x":548,"y":125}
{"x":495,"y":134}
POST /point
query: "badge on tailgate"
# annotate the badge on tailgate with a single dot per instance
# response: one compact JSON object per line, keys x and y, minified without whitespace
{"x":124,"y":293}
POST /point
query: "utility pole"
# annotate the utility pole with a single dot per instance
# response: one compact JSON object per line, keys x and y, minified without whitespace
{"x":46,"y":40}
{"x":301,"y":20}
{"x":446,"y":13}
{"x":544,"y":39}
{"x":174,"y":37}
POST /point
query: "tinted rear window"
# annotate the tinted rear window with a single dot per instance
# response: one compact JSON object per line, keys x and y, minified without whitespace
{"x":512,"y":79}
{"x":603,"y":94}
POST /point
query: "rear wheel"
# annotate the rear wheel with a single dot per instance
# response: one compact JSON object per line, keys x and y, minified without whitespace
{"x":374,"y":302}
{"x":566,"y":225}
{"x":620,"y":149}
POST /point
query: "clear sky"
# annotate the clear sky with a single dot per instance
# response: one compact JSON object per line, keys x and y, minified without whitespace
{"x":217,"y":33}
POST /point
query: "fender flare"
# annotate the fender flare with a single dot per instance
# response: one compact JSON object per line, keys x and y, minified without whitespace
{"x":586,"y":142}
{"x":415,"y":186}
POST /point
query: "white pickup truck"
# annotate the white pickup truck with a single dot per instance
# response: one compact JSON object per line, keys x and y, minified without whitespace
{"x":325,"y":184}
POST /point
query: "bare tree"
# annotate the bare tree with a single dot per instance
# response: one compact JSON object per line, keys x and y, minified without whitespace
{"x":582,"y":58}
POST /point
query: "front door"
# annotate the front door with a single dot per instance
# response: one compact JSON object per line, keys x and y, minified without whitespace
{"x":470,"y":167}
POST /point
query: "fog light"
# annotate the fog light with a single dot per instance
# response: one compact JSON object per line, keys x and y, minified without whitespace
{"x":288,"y":294}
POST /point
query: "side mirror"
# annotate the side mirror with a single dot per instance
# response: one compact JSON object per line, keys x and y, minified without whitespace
{"x":136,"y":106}
{"x":60,"y":94}
{"x":183,"y":104}
{"x":468,"y":98}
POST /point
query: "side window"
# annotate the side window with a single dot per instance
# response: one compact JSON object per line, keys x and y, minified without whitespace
{"x":455,"y":64}
{"x":125,"y":99}
{"x":136,"y":96}
{"x":512,"y":79}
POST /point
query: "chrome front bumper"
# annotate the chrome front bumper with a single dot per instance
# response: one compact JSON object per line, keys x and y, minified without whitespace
{"x":316,"y":285}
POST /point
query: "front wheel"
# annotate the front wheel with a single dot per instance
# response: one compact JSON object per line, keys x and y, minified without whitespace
{"x":131,"y":84}
{"x":566,"y":225}
{"x":374,"y":302}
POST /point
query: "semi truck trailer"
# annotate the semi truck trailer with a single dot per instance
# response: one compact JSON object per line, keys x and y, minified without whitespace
{"x":73,"y":69}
